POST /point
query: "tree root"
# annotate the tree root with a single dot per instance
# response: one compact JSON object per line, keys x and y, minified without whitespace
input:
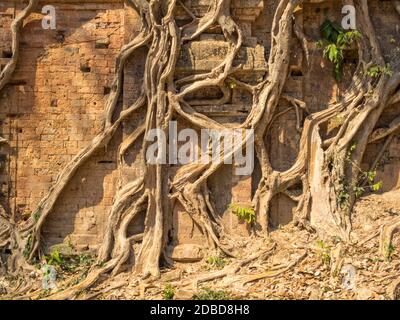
{"x":393,"y":290}
{"x":323,"y":166}
{"x":272,"y":273}
{"x":386,"y":237}
{"x":16,"y":26}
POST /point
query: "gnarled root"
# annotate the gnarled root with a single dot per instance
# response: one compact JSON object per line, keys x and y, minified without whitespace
{"x":386,"y":237}
{"x":324,"y":168}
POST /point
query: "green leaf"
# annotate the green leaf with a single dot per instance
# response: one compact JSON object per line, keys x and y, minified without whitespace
{"x":326,"y":29}
{"x":358,"y":191}
{"x":377,"y":186}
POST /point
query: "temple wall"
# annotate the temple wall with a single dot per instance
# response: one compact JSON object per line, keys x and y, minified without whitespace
{"x":54,"y":106}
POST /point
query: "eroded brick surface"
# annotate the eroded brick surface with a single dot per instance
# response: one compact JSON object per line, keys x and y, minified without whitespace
{"x":54,"y":107}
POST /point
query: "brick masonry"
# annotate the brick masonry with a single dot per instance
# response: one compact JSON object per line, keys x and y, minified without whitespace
{"x":54,"y":107}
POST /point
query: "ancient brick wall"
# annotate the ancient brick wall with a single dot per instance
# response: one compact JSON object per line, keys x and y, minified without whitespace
{"x":54,"y":107}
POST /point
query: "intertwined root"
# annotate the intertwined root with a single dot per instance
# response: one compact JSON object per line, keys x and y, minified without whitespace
{"x":322,"y":167}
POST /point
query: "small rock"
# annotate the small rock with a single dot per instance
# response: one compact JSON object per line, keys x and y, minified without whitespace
{"x":314,"y":292}
{"x":102,"y":43}
{"x":172,"y":276}
{"x":348,"y":273}
{"x":186,"y":253}
{"x":183,"y":294}
{"x":364,"y":293}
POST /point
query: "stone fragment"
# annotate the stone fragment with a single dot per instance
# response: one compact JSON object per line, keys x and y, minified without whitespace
{"x":186,"y":253}
{"x":364,"y":293}
{"x":183,"y":294}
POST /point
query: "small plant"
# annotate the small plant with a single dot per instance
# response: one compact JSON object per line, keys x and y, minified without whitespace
{"x":54,"y":259}
{"x":334,"y":40}
{"x":209,"y":294}
{"x":358,"y":191}
{"x":352,"y":148}
{"x":367,"y":178}
{"x":324,"y":252}
{"x":216,"y":262}
{"x":85,"y":259}
{"x":375,"y":71}
{"x":370,"y":177}
{"x":377,"y":186}
{"x":243,"y":212}
{"x":69,"y":263}
{"x":389,"y":250}
{"x":168,"y":292}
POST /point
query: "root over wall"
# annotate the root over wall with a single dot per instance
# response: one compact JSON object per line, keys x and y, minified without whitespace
{"x":136,"y":66}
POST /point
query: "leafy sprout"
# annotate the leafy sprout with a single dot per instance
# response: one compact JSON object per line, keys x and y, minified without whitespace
{"x":334,"y":40}
{"x":244,"y":213}
{"x":168,"y":292}
{"x":209,"y":294}
{"x":375,"y":71}
{"x":216,"y":262}
{"x":324,"y":252}
{"x":54,"y":258}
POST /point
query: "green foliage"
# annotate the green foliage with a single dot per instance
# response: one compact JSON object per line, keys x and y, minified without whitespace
{"x":168,"y":292}
{"x":68,"y":263}
{"x":209,"y":294}
{"x":375,"y":71}
{"x":216,"y":262}
{"x":370,"y":177}
{"x":54,"y":259}
{"x":358,"y":191}
{"x":334,"y":40}
{"x":367,"y":179}
{"x":389,"y":250}
{"x":243,"y":212}
{"x":377,"y":186}
{"x":352,"y":148}
{"x":324,"y":252}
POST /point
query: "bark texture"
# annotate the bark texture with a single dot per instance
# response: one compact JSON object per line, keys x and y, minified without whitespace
{"x":324,"y":167}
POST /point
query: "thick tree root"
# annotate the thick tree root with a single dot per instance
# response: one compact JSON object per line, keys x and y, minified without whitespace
{"x":16,"y":27}
{"x":324,"y":167}
{"x":386,"y":237}
{"x":273,"y":273}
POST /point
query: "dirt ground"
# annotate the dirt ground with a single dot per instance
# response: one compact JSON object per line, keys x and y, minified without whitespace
{"x":327,"y":269}
{"x":294,"y":264}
